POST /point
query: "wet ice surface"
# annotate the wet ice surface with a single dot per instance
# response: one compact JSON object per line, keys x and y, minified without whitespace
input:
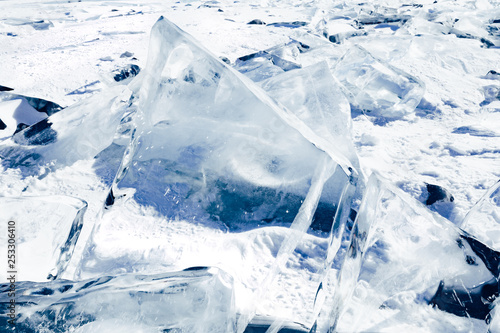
{"x":256,"y":165}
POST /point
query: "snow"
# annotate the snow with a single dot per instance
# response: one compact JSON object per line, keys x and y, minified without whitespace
{"x":68,"y":52}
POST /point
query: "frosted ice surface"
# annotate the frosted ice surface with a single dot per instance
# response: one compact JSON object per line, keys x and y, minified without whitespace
{"x":483,"y":220}
{"x":337,"y":31}
{"x":192,"y":301}
{"x":46,"y":230}
{"x":376,"y":87}
{"x":79,"y":131}
{"x":209,"y":144}
{"x":394,"y":264}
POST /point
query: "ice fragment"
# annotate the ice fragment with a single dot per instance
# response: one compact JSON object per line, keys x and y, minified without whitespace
{"x":376,"y":87}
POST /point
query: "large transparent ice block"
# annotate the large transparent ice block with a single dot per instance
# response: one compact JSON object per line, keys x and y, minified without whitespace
{"x":209,"y":144}
{"x":42,"y":233}
{"x":375,"y":87}
{"x":198,"y":300}
{"x":402,"y":258}
{"x":214,"y":158}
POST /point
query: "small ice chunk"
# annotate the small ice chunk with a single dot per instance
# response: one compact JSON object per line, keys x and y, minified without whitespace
{"x":476,"y":130}
{"x":338,"y":30}
{"x":43,"y":230}
{"x":257,"y":66}
{"x":38,"y":104}
{"x":492,"y":75}
{"x":375,"y":87}
{"x":491,"y":94}
{"x":126,"y":54}
{"x":257,"y":22}
{"x":471,"y":26}
{"x":264,"y":324}
{"x":293,"y":25}
{"x":437,"y":193}
{"x":273,"y":61}
{"x":4,"y":88}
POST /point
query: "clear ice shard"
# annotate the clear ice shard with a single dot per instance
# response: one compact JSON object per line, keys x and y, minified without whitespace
{"x":197,"y":300}
{"x":375,"y":87}
{"x":77,"y":132}
{"x":209,"y":144}
{"x":483,"y":220}
{"x":394,"y":266}
{"x":45,"y":231}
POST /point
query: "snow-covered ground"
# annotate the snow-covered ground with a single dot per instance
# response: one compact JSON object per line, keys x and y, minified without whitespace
{"x":69,"y":51}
